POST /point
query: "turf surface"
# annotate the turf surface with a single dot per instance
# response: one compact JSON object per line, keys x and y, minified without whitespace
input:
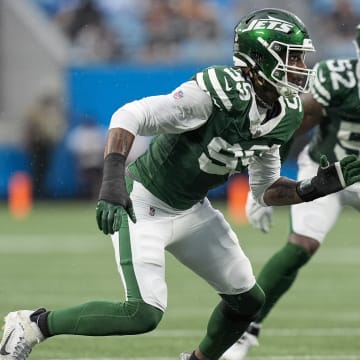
{"x":57,"y":258}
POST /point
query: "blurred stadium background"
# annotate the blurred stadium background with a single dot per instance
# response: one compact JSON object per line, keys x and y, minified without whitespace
{"x":65,"y":63}
{"x":72,"y":63}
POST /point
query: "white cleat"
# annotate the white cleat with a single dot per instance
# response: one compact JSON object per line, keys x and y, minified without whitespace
{"x":239,"y":350}
{"x":20,"y":336}
{"x":184,"y":356}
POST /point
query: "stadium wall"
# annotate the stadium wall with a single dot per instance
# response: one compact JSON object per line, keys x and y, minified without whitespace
{"x":98,"y":91}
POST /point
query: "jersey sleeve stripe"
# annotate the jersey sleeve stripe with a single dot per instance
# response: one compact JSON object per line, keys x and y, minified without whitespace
{"x":320,"y":100}
{"x":201,"y":82}
{"x":319,"y":91}
{"x":218,"y":89}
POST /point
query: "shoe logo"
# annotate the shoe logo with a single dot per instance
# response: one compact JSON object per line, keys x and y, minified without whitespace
{"x":3,"y":348}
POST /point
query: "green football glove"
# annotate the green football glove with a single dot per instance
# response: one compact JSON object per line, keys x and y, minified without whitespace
{"x":330,"y":178}
{"x":350,"y":167}
{"x":113,"y":197}
{"x":108,"y":216}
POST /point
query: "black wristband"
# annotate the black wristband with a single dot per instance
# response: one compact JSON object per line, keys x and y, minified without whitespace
{"x":113,"y":183}
{"x":306,"y":190}
{"x":324,"y":183}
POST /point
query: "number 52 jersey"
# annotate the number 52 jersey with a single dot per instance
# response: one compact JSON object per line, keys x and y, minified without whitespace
{"x":206,"y":130}
{"x":337,"y":89}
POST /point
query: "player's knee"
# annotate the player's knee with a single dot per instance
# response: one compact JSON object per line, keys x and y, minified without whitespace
{"x":145,"y":317}
{"x":244,"y":306}
{"x":149,"y":316}
{"x":308,"y":244}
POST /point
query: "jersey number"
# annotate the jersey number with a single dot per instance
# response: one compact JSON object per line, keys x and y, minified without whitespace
{"x":349,"y":139}
{"x":340,"y":73}
{"x":230,"y":162}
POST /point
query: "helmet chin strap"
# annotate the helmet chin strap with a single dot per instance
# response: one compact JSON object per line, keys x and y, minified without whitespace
{"x":261,"y":84}
{"x":249,"y":71}
{"x":261,"y":102}
{"x":282,"y":90}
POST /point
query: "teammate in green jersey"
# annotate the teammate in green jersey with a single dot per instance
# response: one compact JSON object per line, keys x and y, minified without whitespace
{"x":333,"y":108}
{"x":221,"y":121}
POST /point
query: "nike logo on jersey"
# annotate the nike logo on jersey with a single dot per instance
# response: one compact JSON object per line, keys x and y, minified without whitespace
{"x":3,"y":348}
{"x":227,"y":86}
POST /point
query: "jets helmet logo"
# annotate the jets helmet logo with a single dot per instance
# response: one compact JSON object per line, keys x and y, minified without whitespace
{"x":270,"y":23}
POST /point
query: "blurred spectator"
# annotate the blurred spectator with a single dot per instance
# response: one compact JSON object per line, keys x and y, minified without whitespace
{"x":204,"y":40}
{"x":189,"y":30}
{"x":126,"y":19}
{"x":87,"y":141}
{"x":345,"y":17}
{"x":92,"y":38}
{"x":174,"y":25}
{"x":44,"y":128}
{"x":164,"y":31}
{"x":338,"y":20}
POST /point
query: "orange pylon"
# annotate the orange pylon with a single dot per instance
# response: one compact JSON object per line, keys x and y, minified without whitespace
{"x":237,"y":191}
{"x":20,"y":197}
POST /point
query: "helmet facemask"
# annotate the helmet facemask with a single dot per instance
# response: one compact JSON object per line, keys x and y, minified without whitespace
{"x":290,"y":79}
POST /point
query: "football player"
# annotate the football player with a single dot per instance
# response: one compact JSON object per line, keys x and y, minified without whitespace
{"x":332,"y":108}
{"x":221,"y":121}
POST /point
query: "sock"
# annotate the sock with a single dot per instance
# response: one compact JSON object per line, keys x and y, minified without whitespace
{"x":219,"y":331}
{"x":254,"y":329}
{"x":279,"y":273}
{"x":193,"y":356}
{"x":40,"y":317}
{"x":229,"y":321}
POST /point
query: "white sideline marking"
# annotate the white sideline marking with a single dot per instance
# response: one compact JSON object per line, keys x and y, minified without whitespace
{"x":307,"y":357}
{"x":268,"y":357}
{"x":265,"y":332}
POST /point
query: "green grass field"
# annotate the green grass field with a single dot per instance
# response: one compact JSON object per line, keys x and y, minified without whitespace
{"x":57,"y":258}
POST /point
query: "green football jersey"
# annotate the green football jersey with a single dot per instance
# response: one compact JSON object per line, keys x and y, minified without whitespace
{"x":181,"y":168}
{"x":336,"y":88}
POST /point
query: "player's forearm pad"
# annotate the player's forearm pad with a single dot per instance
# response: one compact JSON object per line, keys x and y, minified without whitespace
{"x":113,"y":183}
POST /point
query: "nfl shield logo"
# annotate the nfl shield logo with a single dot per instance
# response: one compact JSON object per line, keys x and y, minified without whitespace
{"x":151,"y":211}
{"x":178,"y":95}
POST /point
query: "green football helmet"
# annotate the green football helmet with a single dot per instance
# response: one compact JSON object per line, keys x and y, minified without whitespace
{"x":265,"y":40}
